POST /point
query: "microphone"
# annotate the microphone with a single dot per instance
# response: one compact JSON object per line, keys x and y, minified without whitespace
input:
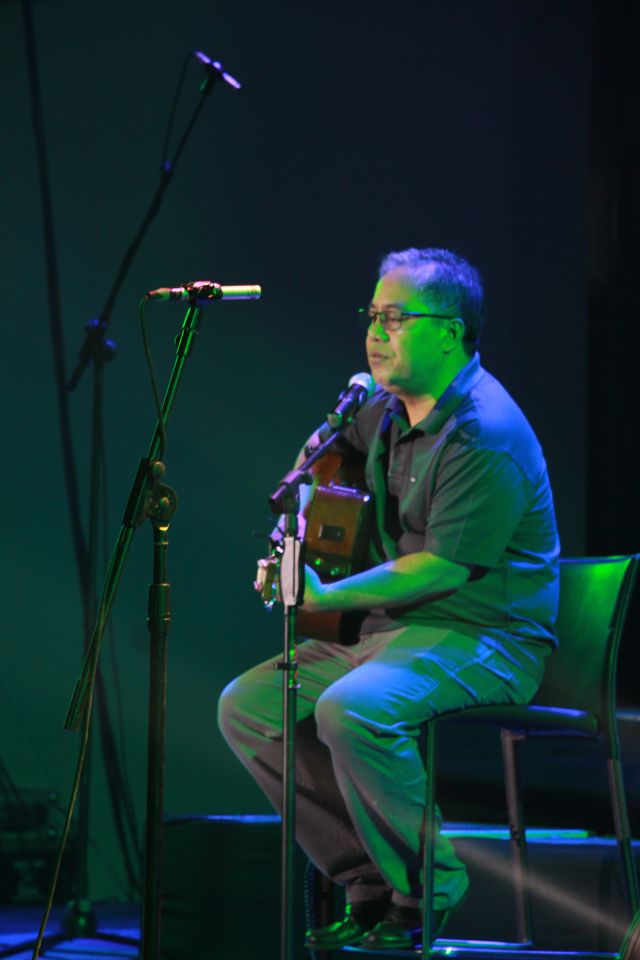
{"x":360,"y":388}
{"x":215,"y":67}
{"x":201,"y":292}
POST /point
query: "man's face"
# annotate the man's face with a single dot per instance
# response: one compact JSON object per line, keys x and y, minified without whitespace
{"x":408,"y":360}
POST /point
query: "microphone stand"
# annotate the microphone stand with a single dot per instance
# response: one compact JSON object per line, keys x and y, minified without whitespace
{"x":95,"y":350}
{"x":148,"y":497}
{"x":286,"y":500}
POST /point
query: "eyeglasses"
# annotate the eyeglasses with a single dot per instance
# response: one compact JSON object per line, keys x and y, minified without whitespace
{"x":393,"y":318}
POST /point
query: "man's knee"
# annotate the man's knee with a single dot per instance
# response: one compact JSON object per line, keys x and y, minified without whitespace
{"x":250,"y":707}
{"x":229,"y":709}
{"x":339,"y":717}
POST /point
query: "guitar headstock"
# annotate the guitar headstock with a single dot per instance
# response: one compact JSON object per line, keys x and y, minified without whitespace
{"x":267,"y":582}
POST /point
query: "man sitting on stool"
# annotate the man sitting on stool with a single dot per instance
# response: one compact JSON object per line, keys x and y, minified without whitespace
{"x":461,"y":601}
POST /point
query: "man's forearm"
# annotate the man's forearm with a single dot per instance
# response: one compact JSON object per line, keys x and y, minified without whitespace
{"x":406,"y":580}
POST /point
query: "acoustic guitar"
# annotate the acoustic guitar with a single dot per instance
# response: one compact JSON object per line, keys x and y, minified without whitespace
{"x":338,"y":524}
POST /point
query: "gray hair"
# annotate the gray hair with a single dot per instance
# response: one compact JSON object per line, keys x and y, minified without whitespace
{"x":452,"y":285}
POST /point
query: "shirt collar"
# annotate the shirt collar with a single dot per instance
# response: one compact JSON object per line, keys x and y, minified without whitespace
{"x":448,"y":402}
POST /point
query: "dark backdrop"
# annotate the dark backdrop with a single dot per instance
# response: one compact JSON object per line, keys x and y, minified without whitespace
{"x":360,"y":129}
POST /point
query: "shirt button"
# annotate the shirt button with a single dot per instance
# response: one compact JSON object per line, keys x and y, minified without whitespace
{"x":413,"y":479}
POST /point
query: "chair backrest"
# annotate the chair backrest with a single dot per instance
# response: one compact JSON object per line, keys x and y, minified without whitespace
{"x":594,"y":598}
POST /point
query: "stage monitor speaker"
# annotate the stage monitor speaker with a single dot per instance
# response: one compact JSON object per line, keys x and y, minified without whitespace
{"x":221,"y":889}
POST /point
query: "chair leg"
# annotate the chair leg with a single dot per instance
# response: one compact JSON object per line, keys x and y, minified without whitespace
{"x":623,"y":833}
{"x":518,"y":841}
{"x":428,"y":849}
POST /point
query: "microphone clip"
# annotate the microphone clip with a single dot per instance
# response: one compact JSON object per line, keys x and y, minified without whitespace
{"x":203,"y":290}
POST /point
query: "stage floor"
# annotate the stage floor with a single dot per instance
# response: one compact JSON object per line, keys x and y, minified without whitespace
{"x":574,"y":878}
{"x":19,"y":927}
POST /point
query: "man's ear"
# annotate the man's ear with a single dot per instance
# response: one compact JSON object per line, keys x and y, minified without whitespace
{"x":455,"y":331}
{"x":458,"y":328}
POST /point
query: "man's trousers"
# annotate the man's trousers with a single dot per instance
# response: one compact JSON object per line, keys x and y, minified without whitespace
{"x":359,"y":769}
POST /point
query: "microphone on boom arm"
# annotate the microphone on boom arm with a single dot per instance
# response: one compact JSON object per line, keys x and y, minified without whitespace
{"x":360,"y":387}
{"x":201,"y":292}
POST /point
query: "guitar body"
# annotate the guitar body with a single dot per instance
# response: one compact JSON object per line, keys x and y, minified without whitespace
{"x":339,"y":520}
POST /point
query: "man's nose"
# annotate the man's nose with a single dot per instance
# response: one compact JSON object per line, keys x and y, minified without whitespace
{"x":376,"y":331}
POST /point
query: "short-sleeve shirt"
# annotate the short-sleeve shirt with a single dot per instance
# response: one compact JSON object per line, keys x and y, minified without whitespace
{"x":469,"y":484}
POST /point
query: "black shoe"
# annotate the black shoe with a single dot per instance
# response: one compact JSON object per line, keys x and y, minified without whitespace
{"x":401,"y":929}
{"x":358,"y":920}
